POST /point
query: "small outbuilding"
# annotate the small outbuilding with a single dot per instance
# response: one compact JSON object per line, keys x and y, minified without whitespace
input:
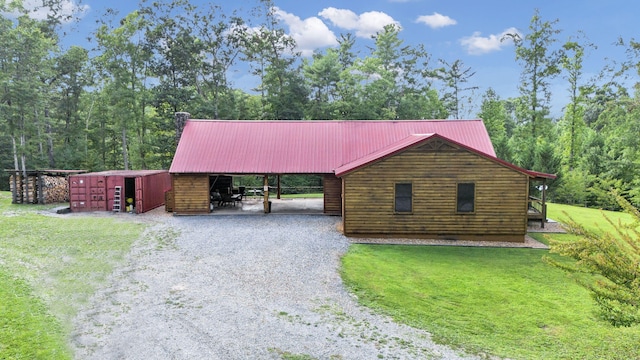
{"x":40,"y":186}
{"x":134,"y":191}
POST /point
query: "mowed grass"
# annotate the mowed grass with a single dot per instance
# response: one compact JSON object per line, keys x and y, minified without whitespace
{"x":49,"y":268}
{"x":303,"y":196}
{"x":592,"y":219}
{"x":494,"y":301}
{"x":27,"y":330}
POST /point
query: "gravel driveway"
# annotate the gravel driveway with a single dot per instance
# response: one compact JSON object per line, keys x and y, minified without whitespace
{"x":239,"y":287}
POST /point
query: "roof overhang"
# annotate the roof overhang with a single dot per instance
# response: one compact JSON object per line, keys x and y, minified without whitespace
{"x":417,"y":140}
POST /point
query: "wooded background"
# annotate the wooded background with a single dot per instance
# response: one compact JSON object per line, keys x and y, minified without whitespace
{"x":112,"y":106}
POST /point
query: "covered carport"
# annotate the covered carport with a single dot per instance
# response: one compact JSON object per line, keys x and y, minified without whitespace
{"x":195,"y":193}
{"x":211,"y":150}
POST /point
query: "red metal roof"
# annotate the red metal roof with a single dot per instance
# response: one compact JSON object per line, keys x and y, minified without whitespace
{"x":125,"y":173}
{"x":305,"y":147}
{"x":414,"y":140}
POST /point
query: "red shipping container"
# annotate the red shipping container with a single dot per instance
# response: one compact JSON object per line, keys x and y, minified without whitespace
{"x":140,"y":190}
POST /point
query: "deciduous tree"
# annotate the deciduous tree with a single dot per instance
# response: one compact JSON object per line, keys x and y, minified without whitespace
{"x":495,"y":117}
{"x":124,"y":62}
{"x":272,"y":56}
{"x":572,"y":125}
{"x":26,"y":63}
{"x":540,"y":64}
{"x":70,"y":80}
{"x":455,"y":77}
{"x":322,"y":75}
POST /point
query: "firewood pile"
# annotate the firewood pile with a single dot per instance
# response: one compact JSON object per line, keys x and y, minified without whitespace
{"x":22,"y":187}
{"x":54,"y":189}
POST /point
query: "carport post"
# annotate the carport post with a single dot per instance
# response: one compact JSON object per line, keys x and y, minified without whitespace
{"x":278,"y":197}
{"x":265,"y":192}
{"x":544,"y":203}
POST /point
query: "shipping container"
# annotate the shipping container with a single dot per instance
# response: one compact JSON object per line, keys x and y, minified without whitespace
{"x":134,"y":191}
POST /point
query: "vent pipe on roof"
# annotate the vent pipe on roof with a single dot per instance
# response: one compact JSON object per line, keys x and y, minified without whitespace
{"x":181,"y":121}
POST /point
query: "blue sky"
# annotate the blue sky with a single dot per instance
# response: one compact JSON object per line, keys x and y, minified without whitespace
{"x":466,"y":30}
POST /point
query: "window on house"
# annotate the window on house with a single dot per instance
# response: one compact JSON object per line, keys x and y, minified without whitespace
{"x":404,"y":198}
{"x":466,"y":197}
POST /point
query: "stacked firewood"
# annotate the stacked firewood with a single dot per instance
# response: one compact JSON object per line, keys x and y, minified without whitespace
{"x":17,"y":182}
{"x":22,"y":187}
{"x":55,"y":189}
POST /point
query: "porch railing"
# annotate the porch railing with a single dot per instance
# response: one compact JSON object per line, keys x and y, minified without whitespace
{"x":537,"y":210}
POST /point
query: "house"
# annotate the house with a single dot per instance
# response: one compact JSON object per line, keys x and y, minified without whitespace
{"x":422,"y":178}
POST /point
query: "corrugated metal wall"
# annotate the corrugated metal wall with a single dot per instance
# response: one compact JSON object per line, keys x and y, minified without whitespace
{"x":151,"y":193}
{"x":87,"y":192}
{"x":112,"y":182}
{"x":95,"y":191}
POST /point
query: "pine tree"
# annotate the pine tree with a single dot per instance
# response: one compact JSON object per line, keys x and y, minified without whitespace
{"x":611,"y":263}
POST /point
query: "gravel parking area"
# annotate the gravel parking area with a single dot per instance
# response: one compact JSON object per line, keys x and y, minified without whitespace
{"x":238,"y":287}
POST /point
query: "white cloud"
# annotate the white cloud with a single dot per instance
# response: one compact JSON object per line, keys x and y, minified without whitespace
{"x":478,"y":45}
{"x":436,"y":20}
{"x":365,"y":25}
{"x":65,"y":11}
{"x":309,"y":34}
{"x":341,"y":18}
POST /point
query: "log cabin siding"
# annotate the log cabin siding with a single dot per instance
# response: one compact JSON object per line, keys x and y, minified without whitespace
{"x":332,"y":189}
{"x":190,"y":193}
{"x":434,"y":170}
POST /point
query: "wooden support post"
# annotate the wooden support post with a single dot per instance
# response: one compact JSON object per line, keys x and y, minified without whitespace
{"x":14,"y":200}
{"x":21,"y":188}
{"x":21,"y":191}
{"x":544,"y":202}
{"x":25,"y":185}
{"x":279,"y":192}
{"x":265,"y":192}
{"x":40,"y":188}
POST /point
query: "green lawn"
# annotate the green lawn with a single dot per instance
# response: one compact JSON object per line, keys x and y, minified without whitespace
{"x":49,"y":268}
{"x":302,"y":196}
{"x":504,"y":302}
{"x":589,"y":218}
{"x":27,"y":330}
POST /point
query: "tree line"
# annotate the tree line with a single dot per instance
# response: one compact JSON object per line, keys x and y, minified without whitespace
{"x":112,"y":106}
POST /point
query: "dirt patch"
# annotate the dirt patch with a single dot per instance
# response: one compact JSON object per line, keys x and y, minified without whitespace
{"x":549,"y":227}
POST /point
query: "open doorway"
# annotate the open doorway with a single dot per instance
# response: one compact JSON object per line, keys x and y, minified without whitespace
{"x":129,"y":194}
{"x":222,"y":183}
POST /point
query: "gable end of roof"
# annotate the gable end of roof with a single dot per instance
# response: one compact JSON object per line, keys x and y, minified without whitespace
{"x":419,"y":139}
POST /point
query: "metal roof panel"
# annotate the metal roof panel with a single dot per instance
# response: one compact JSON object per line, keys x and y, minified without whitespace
{"x":304,"y":147}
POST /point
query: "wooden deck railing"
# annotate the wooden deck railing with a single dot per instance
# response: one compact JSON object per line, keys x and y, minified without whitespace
{"x":537,"y":210}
